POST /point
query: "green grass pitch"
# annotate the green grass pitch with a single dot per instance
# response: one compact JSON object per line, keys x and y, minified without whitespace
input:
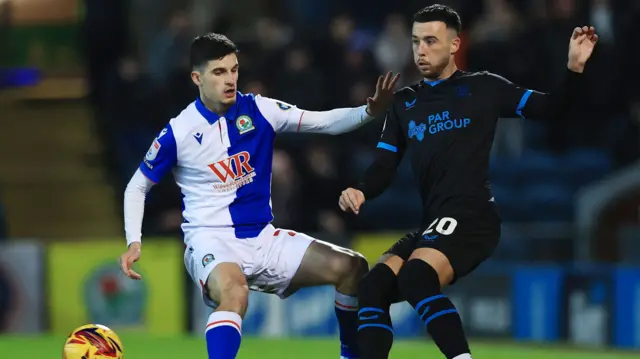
{"x":144,"y":347}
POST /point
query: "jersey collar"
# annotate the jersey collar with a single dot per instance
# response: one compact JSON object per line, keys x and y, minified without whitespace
{"x":435,"y":82}
{"x":213,"y":117}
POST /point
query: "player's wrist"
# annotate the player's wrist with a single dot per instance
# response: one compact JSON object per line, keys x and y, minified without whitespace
{"x":362,"y":188}
{"x":135,"y":244}
{"x":575,"y":67}
{"x":367,"y":111}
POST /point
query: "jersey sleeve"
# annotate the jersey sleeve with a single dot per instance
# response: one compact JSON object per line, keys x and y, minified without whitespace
{"x":282,"y":116}
{"x":390,"y":150}
{"x":517,"y":101}
{"x":285,"y":117}
{"x":161,"y":157}
{"x":392,"y":138}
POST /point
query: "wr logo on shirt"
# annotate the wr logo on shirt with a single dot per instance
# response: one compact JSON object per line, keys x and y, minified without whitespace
{"x":234,"y":171}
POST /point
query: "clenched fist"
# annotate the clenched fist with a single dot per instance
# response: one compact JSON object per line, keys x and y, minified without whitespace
{"x":350,"y":200}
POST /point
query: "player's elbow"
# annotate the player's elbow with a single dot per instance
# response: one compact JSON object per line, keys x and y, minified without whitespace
{"x":330,"y":123}
{"x":138,"y":184}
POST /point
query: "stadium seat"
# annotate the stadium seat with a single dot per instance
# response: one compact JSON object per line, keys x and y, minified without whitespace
{"x":551,"y":201}
{"x":583,"y":166}
{"x":536,"y":166}
{"x":503,"y":170}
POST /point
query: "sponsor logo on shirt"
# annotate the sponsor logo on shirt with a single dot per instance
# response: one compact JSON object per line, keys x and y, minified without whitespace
{"x":234,"y":172}
{"x":437,"y":123}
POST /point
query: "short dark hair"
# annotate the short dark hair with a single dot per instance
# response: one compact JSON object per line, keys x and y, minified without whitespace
{"x":209,"y":47}
{"x":437,"y":12}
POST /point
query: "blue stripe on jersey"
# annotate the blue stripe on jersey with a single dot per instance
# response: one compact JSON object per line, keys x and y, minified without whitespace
{"x":434,"y":82}
{"x":388,"y":147}
{"x":523,"y":103}
{"x":161,"y":156}
{"x":251,"y":210}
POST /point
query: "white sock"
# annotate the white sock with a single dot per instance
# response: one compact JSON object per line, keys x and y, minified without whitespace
{"x":463,"y":356}
{"x":346,"y":302}
{"x":231,"y":319}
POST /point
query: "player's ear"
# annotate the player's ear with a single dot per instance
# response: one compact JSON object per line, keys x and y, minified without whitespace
{"x":455,"y":44}
{"x":195,"y":77}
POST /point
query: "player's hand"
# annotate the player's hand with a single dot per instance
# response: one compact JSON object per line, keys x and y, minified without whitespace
{"x":131,"y":256}
{"x":378,"y":104}
{"x":583,"y":40}
{"x":350,"y":200}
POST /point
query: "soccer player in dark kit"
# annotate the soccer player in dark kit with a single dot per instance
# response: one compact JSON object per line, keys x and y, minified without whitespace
{"x":446,"y":125}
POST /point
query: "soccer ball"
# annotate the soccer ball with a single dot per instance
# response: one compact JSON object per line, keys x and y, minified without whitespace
{"x":92,"y":341}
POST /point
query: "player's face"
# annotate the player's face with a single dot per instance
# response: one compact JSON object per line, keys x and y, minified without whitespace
{"x":433,"y":47}
{"x":218,"y":80}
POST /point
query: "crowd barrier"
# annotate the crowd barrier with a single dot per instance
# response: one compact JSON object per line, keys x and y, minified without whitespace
{"x":62,"y":285}
{"x":85,"y":285}
{"x":532,"y":304}
{"x":22,"y":299}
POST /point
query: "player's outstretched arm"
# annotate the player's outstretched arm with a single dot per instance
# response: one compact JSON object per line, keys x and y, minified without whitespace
{"x":526,"y":103}
{"x":288,"y":118}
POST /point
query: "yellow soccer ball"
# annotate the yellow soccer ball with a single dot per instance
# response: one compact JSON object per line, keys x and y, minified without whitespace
{"x":92,"y":341}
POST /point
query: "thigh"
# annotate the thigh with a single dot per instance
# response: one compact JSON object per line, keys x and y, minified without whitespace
{"x":203,"y":253}
{"x":465,"y":241}
{"x":325,"y":263}
{"x":402,"y":249}
{"x":280,"y":255}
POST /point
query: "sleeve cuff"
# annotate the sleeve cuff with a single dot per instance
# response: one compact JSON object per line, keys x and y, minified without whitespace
{"x":365,"y":114}
{"x":131,"y":241}
{"x":572,"y":74}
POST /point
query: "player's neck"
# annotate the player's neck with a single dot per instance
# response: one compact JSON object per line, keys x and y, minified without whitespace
{"x":213,"y":106}
{"x":448,"y":71}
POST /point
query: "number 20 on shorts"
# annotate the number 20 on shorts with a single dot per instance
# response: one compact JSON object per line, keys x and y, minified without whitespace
{"x":444,"y":226}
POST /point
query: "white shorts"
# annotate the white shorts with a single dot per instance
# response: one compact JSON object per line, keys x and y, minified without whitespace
{"x":269,"y":261}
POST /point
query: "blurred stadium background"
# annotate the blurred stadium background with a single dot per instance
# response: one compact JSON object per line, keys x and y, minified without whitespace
{"x":86,"y":85}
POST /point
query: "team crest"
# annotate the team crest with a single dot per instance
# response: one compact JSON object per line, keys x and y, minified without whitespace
{"x":283,"y":107}
{"x":207,"y":259}
{"x":244,"y":124}
{"x":417,"y":131}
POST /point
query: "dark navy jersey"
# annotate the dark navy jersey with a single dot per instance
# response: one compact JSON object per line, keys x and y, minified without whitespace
{"x":447,"y":129}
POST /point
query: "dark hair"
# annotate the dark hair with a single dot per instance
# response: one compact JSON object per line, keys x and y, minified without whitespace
{"x":439,"y":12}
{"x":209,"y":47}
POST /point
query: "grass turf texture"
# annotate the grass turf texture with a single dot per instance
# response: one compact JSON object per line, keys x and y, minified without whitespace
{"x":143,"y":347}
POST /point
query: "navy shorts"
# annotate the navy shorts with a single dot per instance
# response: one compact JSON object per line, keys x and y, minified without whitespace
{"x":466,"y":235}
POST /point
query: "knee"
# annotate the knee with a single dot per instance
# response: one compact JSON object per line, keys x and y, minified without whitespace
{"x":379,"y":285}
{"x":418,"y":273}
{"x":359,"y":265}
{"x":348,"y":266}
{"x":233,"y":297}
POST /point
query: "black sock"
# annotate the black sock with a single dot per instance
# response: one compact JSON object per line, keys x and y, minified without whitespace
{"x":375,"y":330}
{"x":419,"y":283}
